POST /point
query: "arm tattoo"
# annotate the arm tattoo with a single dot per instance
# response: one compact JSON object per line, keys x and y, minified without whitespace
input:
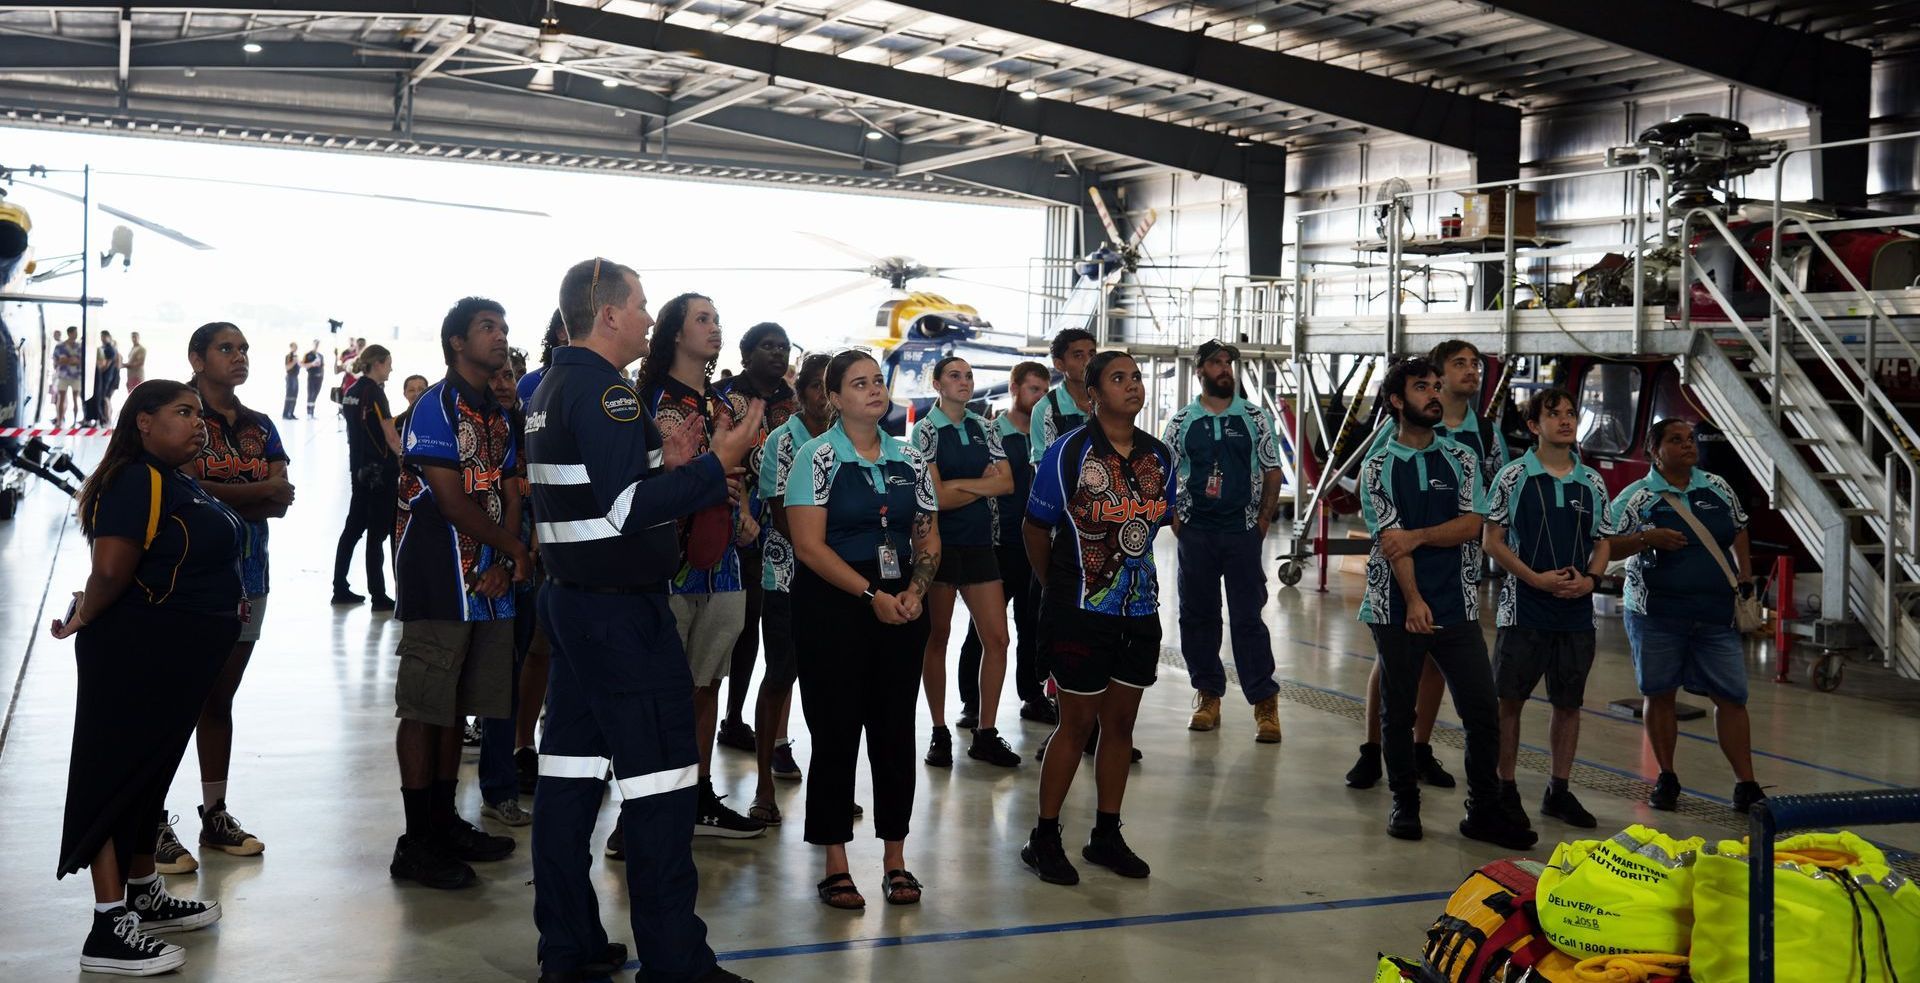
{"x":925,"y":561}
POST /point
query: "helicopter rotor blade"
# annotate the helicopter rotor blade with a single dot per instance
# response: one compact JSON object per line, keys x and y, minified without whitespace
{"x":819,"y":298}
{"x":995,"y":286}
{"x":854,"y":251}
{"x":331,"y":191}
{"x":1140,"y":231}
{"x":151,"y":226}
{"x":1106,"y":217}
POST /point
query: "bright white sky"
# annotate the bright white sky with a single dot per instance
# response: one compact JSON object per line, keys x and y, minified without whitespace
{"x":284,"y":262}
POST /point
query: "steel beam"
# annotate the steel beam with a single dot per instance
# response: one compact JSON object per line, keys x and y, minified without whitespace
{"x":1182,"y":147}
{"x":1489,"y":131}
{"x":967,"y":156}
{"x":688,"y":112}
{"x":1833,"y":79}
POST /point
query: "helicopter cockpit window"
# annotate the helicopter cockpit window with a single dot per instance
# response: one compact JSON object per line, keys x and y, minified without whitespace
{"x":1609,"y":402}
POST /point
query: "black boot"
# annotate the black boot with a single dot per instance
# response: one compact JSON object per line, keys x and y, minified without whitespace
{"x":1366,"y":772}
{"x":1487,"y":822}
{"x":1403,"y":821}
{"x":1429,"y":767}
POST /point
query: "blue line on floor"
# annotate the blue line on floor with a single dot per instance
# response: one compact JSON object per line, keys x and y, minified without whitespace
{"x":1017,"y":931}
{"x":1616,"y":718}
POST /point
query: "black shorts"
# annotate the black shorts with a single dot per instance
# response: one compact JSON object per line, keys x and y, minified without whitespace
{"x":1521,"y":656}
{"x":964,"y":566}
{"x":1085,"y":651}
{"x":776,"y":634}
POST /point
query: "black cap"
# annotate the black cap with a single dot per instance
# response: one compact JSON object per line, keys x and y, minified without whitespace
{"x":1212,"y":347}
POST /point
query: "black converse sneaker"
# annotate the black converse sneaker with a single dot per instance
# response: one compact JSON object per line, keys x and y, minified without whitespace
{"x":715,"y":819}
{"x":118,"y":947}
{"x":169,"y":856}
{"x":161,"y":912}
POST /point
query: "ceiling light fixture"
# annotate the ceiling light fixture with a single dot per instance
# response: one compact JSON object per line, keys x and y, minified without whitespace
{"x":722,"y":26}
{"x":252,"y":48}
{"x":610,"y":83}
{"x":1256,"y":28}
{"x":1029,"y":95}
{"x":875,"y":135}
{"x":547,"y":50}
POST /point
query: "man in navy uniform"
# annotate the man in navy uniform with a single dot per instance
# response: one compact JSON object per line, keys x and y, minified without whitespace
{"x":607,"y":491}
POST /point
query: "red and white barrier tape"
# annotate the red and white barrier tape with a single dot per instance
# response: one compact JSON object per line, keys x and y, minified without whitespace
{"x":56,"y":431}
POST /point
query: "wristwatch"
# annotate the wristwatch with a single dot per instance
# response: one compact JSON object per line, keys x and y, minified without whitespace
{"x":868,"y":592}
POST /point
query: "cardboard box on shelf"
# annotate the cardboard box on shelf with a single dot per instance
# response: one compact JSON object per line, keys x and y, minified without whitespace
{"x":1484,"y":214}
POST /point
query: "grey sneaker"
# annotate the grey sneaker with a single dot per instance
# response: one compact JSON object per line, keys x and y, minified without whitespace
{"x":220,"y":831}
{"x":169,"y":856}
{"x":507,"y":813}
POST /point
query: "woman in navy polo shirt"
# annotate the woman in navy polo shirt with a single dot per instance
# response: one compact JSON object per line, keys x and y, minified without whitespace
{"x":864,"y":520}
{"x":1679,"y":604}
{"x":162,"y":608}
{"x":969,"y":468}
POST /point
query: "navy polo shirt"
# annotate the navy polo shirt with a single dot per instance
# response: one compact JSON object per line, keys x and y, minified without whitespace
{"x":1110,"y":506}
{"x":1686,"y":583}
{"x":1403,"y":488}
{"x":859,"y":494}
{"x":1477,"y":435}
{"x":190,"y":542}
{"x":963,"y":448}
{"x":1013,"y":505}
{"x":1552,"y":521}
{"x":1239,"y":442}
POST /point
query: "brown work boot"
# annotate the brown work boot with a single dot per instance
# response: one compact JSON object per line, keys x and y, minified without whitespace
{"x":1266,"y":717}
{"x":1206,"y":712}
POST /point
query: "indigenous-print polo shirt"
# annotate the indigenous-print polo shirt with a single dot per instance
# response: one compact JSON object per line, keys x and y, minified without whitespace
{"x":1222,"y":459}
{"x":240,"y":453}
{"x":1111,"y":505}
{"x":1403,"y":488}
{"x":776,"y":466}
{"x":457,"y":427}
{"x":867,"y":502}
{"x":962,"y":448}
{"x":1686,"y":583}
{"x":674,"y":404}
{"x":1552,"y":522}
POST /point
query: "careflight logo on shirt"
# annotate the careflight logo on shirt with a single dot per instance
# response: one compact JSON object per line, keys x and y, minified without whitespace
{"x":620,"y":404}
{"x":1436,"y":484}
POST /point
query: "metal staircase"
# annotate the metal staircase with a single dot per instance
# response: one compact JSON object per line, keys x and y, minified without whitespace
{"x":1847,"y":488}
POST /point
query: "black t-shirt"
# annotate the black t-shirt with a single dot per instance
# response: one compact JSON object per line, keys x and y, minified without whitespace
{"x":365,"y":407}
{"x":190,"y":559}
{"x":315,"y":364}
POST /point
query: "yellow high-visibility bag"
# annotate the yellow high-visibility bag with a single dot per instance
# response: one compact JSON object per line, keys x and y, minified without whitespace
{"x":1840,"y":915}
{"x":1631,"y":893}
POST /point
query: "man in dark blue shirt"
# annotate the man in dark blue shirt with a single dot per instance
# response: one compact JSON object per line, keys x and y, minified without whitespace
{"x":1422,"y":498}
{"x":1016,"y":577}
{"x":608,"y":491}
{"x":1547,"y":526}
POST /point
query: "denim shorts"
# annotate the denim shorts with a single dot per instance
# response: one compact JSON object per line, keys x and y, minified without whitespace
{"x":1679,"y":653}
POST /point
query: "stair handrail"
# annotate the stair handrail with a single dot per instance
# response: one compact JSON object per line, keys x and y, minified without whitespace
{"x":1869,"y":401}
{"x":1859,"y":289}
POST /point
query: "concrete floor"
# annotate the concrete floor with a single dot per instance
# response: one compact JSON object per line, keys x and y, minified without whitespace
{"x":1260,"y":853}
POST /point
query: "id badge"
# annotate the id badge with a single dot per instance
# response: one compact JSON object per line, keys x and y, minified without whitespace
{"x":1214,"y":481}
{"x":889,"y":561}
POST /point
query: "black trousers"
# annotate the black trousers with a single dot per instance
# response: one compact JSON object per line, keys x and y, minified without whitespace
{"x":856,"y":674}
{"x":313,"y":391}
{"x":1461,"y":653}
{"x":293,"y":396}
{"x":370,"y":513}
{"x":144,"y":673}
{"x":1016,"y":579}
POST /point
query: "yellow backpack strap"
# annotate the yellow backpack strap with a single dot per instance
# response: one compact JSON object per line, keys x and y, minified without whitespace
{"x":153,"y":506}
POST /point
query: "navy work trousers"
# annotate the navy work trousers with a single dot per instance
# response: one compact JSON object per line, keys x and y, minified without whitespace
{"x":620,"y":690}
{"x":1207,"y":558}
{"x":1461,"y":653}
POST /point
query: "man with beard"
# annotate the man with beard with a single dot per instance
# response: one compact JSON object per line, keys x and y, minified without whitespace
{"x":1423,"y":498}
{"x":1227,"y":455}
{"x":458,"y":559}
{"x":764,"y":352}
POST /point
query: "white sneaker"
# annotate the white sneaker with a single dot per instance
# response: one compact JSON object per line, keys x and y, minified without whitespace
{"x":507,"y":813}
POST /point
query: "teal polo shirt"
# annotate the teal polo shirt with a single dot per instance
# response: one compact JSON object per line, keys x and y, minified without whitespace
{"x":1552,"y":521}
{"x":776,"y":464}
{"x":1404,"y":488}
{"x":1055,"y":414}
{"x":1477,"y":435}
{"x":1685,"y":583}
{"x":1240,"y":444}
{"x":866,"y":501}
{"x":963,"y":448}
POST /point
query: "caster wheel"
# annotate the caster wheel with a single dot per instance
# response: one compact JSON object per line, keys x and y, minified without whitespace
{"x":1290,"y":572}
{"x":1826,"y":672}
